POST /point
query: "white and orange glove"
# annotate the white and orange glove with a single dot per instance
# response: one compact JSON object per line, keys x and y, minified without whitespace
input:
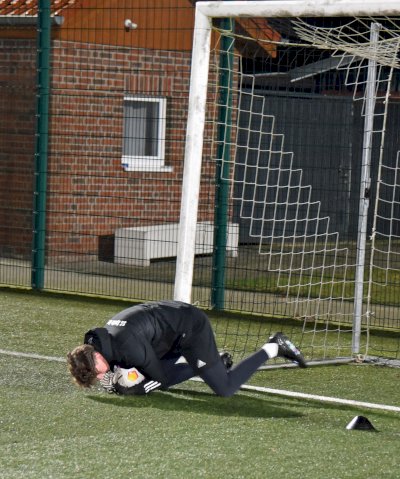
{"x":128,"y":382}
{"x":127,"y":378}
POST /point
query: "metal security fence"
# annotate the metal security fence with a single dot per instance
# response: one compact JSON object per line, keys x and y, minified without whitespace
{"x":94,"y":101}
{"x":96,"y":173}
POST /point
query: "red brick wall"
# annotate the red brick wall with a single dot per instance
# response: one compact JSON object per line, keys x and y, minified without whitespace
{"x":17,"y":145}
{"x":89,"y":192}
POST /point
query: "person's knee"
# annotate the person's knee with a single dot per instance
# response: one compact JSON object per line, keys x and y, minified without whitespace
{"x":220,"y":385}
{"x":225,"y":393}
{"x":222,"y":391}
{"x":217,"y":378}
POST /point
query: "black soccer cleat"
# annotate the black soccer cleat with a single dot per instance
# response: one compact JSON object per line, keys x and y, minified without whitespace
{"x":287,"y":350}
{"x":226,"y":358}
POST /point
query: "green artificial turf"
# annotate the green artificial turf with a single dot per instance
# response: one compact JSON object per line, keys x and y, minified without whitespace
{"x":51,"y":429}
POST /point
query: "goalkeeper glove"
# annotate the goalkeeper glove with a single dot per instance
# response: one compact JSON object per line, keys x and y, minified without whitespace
{"x":127,"y":377}
{"x":131,"y":381}
{"x":121,"y":379}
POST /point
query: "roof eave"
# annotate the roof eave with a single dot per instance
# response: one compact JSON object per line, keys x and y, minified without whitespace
{"x":27,"y":20}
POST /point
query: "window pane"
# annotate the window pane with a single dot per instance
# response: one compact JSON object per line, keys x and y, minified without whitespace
{"x":141,"y":128}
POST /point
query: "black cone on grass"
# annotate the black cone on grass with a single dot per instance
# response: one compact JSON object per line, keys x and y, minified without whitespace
{"x":360,"y":423}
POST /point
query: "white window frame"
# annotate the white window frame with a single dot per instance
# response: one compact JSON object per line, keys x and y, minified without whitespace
{"x":148,"y":163}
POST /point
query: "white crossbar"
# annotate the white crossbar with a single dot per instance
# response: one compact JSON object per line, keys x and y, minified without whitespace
{"x":298,"y":8}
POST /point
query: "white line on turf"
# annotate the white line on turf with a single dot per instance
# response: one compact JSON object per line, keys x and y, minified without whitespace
{"x":245,"y":387}
{"x":31,"y":356}
{"x":314,"y":397}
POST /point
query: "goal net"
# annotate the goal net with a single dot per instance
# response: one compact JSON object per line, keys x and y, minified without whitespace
{"x":297,"y":106}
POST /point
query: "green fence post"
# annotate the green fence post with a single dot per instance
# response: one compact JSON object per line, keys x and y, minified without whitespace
{"x":41,"y":152}
{"x":222,"y":169}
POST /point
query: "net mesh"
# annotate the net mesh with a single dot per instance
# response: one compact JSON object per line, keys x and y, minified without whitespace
{"x":305,"y":255}
{"x":353,"y":38}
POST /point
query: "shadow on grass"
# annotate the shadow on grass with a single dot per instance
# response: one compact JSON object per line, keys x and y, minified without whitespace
{"x":201,"y":403}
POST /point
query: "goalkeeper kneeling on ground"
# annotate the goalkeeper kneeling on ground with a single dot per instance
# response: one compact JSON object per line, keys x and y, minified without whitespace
{"x":157,"y":345}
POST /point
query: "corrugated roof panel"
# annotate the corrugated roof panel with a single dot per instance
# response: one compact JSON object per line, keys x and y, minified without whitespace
{"x":30,"y":7}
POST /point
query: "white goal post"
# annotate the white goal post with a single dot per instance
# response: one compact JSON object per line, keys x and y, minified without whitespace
{"x":205,"y":12}
{"x":199,"y":82}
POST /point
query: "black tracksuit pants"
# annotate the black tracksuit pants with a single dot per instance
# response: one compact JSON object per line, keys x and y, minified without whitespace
{"x":222,"y":382}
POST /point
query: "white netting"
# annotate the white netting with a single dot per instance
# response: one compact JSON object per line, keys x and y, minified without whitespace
{"x":354,"y":38}
{"x":311,"y":264}
{"x":289,"y":226}
{"x":355,"y":44}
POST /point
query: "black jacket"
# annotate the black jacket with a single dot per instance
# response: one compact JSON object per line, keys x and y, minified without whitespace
{"x":141,"y":335}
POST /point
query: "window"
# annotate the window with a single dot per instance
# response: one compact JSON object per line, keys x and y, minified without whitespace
{"x":144,"y":134}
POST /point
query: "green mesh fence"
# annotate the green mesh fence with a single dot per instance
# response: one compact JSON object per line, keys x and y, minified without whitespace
{"x":119,"y":80}
{"x":92,"y":166}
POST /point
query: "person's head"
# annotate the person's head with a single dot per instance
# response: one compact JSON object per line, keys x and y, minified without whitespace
{"x":86,"y":365}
